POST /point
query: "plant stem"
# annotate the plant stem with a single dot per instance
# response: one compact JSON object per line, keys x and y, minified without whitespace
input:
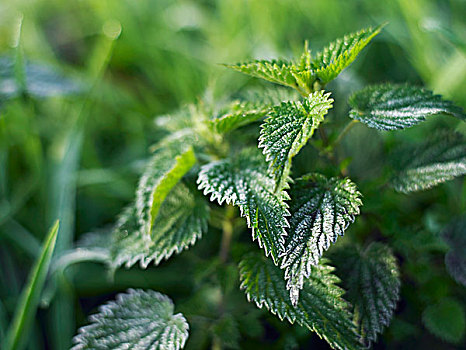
{"x":227,"y":228}
{"x":344,"y":132}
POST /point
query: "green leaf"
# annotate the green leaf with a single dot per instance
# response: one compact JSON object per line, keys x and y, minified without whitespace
{"x":341,"y":53}
{"x":372,"y":280}
{"x":287,"y":129}
{"x":390,"y":106}
{"x":137,"y":319}
{"x":243,"y":181}
{"x":172,"y":159}
{"x":237,"y":114}
{"x":455,"y":259}
{"x":446,"y":320}
{"x":30,"y":297}
{"x":321,"y":308}
{"x":321,"y":210}
{"x":281,"y":72}
{"x":182,"y":219}
{"x":436,"y":161}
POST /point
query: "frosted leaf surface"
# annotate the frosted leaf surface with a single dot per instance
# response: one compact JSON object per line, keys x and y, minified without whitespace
{"x":287,"y":129}
{"x":138,"y":319}
{"x":321,"y":210}
{"x":243,"y":181}
{"x":372,"y":279}
{"x":321,"y":308}
{"x":390,"y":106}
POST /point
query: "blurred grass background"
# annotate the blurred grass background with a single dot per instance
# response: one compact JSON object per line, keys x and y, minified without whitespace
{"x":77,"y":158}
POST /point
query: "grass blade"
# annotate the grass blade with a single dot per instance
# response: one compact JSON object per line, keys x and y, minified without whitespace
{"x":29,"y":299}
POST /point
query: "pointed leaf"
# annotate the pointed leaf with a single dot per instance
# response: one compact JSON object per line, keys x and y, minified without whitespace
{"x":182,"y":219}
{"x":391,"y":106}
{"x":321,"y":210}
{"x":341,"y":53}
{"x":439,"y":160}
{"x":136,"y":320}
{"x":30,"y":296}
{"x":243,"y":181}
{"x":372,"y":279}
{"x":287,"y":129}
{"x":321,"y":308}
{"x":172,"y":159}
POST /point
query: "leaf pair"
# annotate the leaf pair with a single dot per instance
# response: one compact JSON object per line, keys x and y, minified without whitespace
{"x":308,"y":74}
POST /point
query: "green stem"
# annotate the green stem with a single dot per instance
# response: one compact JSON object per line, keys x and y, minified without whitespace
{"x":344,"y":132}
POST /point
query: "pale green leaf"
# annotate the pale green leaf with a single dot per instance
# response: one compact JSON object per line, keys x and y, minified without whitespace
{"x":243,"y":181}
{"x":182,"y":219}
{"x":438,"y":160}
{"x":29,"y":300}
{"x":321,"y":210}
{"x":321,"y":308}
{"x":446,"y":320}
{"x":341,"y":53}
{"x":394,"y":106}
{"x":287,"y":129}
{"x":281,"y":72}
{"x":372,"y":279}
{"x":235,"y":115}
{"x":138,"y":319}
{"x":172,"y":159}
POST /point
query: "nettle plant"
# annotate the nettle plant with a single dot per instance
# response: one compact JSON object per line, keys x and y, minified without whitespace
{"x":212,"y":160}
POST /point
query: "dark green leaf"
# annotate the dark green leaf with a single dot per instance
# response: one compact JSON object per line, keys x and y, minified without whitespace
{"x":243,"y":181}
{"x":287,"y":129}
{"x":446,"y":320}
{"x":372,"y":279}
{"x":321,"y":308}
{"x":182,"y":219}
{"x":455,"y":259}
{"x":321,"y":210}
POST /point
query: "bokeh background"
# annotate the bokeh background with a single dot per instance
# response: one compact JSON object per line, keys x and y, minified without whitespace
{"x":77,"y":157}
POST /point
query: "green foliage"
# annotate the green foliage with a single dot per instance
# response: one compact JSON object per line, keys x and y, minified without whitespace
{"x":321,"y":210}
{"x":372,"y":278}
{"x":307,"y":74}
{"x":40,"y":81}
{"x":455,"y":259}
{"x":438,"y":160}
{"x":137,"y":319}
{"x":236,"y":115}
{"x":446,"y":320}
{"x":287,"y":129}
{"x":281,"y":72}
{"x":321,"y":308}
{"x":218,"y":141}
{"x":181,"y":221}
{"x":341,"y":53}
{"x":171,"y":160}
{"x":243,"y":181}
{"x":30,"y":297}
{"x":391,"y":107}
